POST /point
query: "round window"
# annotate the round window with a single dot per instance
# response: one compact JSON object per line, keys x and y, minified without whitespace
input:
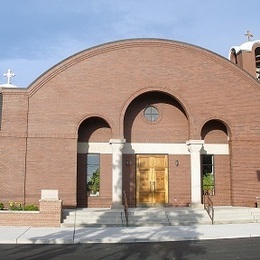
{"x":151,"y":113}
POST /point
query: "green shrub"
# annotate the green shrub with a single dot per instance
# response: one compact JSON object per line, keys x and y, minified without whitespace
{"x":15,"y":205}
{"x":208,"y":182}
{"x":93,"y":184}
{"x":31,"y":207}
{"x":18,"y":206}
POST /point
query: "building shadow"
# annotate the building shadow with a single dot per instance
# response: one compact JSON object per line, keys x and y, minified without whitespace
{"x":142,"y":242}
{"x":258,"y":175}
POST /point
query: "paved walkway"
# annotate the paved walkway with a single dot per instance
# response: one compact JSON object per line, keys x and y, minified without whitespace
{"x":62,"y":235}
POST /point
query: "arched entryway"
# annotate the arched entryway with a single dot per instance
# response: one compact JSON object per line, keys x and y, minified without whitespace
{"x":215,"y":161}
{"x":155,"y":155}
{"x":94,"y":163}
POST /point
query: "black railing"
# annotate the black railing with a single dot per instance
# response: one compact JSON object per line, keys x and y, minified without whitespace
{"x":208,"y":206}
{"x":125,"y":207}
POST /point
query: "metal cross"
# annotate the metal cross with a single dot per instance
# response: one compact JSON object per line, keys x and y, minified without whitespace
{"x":249,"y":35}
{"x":9,"y":75}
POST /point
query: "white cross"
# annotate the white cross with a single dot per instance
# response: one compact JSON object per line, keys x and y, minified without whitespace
{"x":9,"y":75}
{"x":249,"y":35}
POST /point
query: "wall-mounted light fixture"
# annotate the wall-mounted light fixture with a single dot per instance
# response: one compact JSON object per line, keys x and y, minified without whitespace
{"x":177,"y":163}
{"x":128,"y":163}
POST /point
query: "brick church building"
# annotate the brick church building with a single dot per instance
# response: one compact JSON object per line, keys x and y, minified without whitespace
{"x":157,"y":119}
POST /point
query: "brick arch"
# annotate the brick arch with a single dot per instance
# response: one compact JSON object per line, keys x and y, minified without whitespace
{"x":106,"y":122}
{"x":159,"y":89}
{"x":94,"y":129}
{"x":173,"y":122}
{"x":215,"y":130}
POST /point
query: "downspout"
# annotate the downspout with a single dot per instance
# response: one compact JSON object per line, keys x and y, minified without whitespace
{"x":25,"y":155}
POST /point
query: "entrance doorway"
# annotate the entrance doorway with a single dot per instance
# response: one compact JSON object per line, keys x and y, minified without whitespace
{"x":151,"y":180}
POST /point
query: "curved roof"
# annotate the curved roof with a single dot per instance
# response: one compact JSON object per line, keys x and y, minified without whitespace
{"x":128,"y":44}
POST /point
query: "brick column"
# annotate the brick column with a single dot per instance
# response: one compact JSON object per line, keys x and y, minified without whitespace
{"x":50,"y":208}
{"x":117,"y":146}
{"x":194,"y":147}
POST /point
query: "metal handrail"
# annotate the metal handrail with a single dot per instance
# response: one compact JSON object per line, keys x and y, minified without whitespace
{"x":125,"y":207}
{"x":208,"y":206}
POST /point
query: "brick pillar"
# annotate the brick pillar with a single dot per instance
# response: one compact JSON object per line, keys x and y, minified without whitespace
{"x":51,"y":207}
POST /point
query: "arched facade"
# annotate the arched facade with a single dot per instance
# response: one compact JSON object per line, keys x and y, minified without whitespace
{"x":145,"y":116}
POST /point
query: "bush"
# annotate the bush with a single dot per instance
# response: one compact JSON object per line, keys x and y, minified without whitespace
{"x":15,"y":205}
{"x":208,"y":183}
{"x":93,"y":184}
{"x":18,"y":206}
{"x":2,"y":206}
{"x":31,"y":207}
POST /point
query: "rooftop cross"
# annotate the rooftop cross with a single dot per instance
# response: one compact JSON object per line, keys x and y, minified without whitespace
{"x":249,"y":35}
{"x":9,"y":75}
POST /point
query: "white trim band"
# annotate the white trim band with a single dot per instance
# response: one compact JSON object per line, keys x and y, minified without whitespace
{"x":152,"y":148}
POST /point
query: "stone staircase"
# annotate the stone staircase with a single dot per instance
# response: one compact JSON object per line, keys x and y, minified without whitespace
{"x":236,"y":215}
{"x":90,"y":217}
{"x":100,"y":217}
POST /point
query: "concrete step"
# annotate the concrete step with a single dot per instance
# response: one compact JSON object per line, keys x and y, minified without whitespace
{"x":236,"y":215}
{"x":93,"y":218}
{"x":168,"y":216}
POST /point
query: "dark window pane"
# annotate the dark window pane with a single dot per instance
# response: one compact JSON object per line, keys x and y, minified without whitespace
{"x":207,"y":159}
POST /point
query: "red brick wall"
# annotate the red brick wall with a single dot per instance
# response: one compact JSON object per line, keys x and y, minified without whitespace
{"x":129,"y":178}
{"x":13,"y":145}
{"x":245,"y":170}
{"x":222,"y":180}
{"x":12,"y":169}
{"x":51,"y":164}
{"x":179,"y":181}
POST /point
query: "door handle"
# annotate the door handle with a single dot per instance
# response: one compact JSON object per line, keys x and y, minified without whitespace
{"x":150,"y":187}
{"x":153,"y":185}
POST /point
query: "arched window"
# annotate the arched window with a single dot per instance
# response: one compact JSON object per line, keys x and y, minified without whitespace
{"x":151,"y":113}
{"x":257,"y":62}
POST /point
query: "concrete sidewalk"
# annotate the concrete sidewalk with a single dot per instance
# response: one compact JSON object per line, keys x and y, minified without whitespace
{"x":62,"y":235}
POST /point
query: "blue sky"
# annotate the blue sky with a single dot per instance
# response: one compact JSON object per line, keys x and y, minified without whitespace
{"x":37,"y":34}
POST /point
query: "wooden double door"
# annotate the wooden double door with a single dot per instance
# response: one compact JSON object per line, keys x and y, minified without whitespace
{"x":151,"y":180}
